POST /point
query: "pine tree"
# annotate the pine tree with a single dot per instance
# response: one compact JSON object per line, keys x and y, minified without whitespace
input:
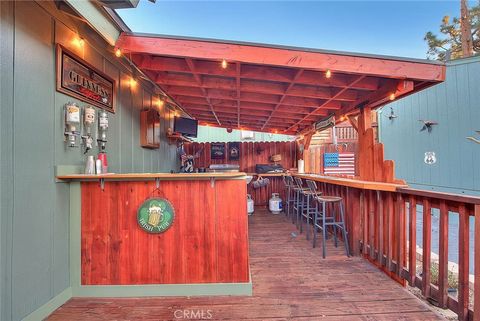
{"x":449,"y":44}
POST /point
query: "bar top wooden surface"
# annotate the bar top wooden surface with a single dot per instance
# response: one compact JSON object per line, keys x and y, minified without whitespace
{"x":150,"y":176}
{"x":352,"y":182}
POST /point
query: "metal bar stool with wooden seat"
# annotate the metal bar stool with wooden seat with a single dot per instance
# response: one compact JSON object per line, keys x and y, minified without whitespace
{"x":327,"y":216}
{"x":304,"y":199}
{"x":290,"y":194}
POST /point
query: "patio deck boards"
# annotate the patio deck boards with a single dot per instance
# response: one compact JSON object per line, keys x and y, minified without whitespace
{"x":290,"y":282}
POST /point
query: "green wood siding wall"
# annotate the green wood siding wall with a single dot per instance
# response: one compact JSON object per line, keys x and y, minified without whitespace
{"x":34,"y":234}
{"x":215,"y":134}
{"x":455,"y":105}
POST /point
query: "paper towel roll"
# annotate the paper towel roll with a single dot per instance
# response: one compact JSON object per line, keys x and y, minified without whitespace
{"x":301,"y":166}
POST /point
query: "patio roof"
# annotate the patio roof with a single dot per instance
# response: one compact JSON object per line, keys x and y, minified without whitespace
{"x":272,"y":88}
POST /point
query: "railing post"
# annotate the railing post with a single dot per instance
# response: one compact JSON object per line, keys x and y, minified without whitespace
{"x":401,"y":234}
{"x":427,"y":247}
{"x":463,"y":266}
{"x":443,"y":253}
{"x":412,"y":231}
{"x":476,"y":302}
{"x":381,"y":227}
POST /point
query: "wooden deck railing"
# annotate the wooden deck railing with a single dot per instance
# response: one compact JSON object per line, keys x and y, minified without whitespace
{"x":382,"y":227}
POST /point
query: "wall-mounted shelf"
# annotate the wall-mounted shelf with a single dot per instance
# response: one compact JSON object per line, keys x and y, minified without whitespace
{"x":175,"y":138}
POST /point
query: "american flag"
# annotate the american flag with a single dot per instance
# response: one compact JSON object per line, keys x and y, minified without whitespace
{"x":339,"y":163}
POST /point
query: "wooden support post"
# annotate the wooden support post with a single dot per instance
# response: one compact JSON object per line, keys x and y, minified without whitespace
{"x":353,"y":122}
{"x":307,"y":141}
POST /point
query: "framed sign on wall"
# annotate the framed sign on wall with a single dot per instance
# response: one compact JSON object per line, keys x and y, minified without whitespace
{"x":234,"y":151}
{"x":217,"y":151}
{"x":79,"y":79}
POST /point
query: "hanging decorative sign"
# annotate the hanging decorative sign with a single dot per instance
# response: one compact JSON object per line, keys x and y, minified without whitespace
{"x":155,"y":215}
{"x":234,"y":151}
{"x":217,"y":151}
{"x":324,"y":124}
{"x":77,"y":78}
{"x":430,"y":158}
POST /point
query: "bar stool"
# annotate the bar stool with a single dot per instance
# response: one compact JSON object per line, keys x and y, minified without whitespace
{"x":290,"y":194}
{"x":303,"y":201}
{"x":327,"y":216}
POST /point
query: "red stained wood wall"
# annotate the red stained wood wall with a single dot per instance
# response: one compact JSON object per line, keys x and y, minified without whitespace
{"x":252,"y":153}
{"x":207,"y":243}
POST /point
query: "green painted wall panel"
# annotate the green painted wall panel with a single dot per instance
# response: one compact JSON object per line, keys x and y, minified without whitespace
{"x":215,"y":134}
{"x":34,"y":234}
{"x":6,"y":156}
{"x":32,"y":220}
{"x":455,"y":105}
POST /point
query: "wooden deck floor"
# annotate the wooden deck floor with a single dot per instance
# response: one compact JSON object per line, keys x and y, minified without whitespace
{"x":291,"y":282}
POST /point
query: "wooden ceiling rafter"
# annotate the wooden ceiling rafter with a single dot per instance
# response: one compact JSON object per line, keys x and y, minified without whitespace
{"x":272,"y":88}
{"x":191,"y":66}
{"x":340,"y":92}
{"x":238,"y":69}
{"x":292,"y":83}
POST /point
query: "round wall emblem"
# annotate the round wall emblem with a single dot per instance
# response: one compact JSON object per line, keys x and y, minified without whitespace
{"x":155,"y":215}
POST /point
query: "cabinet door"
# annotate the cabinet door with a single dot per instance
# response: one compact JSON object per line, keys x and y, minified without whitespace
{"x":150,"y":129}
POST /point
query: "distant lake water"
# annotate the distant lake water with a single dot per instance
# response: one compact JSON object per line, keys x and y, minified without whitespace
{"x":453,"y":222}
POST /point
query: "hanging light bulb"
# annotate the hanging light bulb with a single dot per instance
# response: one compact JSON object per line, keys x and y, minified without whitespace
{"x":133,"y":82}
{"x":392,"y":96}
{"x":118,"y":52}
{"x":328,"y":73}
{"x":78,"y":41}
{"x":224,"y":64}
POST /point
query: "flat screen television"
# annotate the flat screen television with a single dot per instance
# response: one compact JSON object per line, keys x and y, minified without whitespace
{"x":185,"y":126}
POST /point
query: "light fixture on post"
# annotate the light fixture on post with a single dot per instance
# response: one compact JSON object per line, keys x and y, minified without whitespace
{"x":328,"y":74}
{"x":118,"y":52}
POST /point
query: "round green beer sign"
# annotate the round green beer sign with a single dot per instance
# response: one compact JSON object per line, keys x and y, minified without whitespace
{"x":155,"y":215}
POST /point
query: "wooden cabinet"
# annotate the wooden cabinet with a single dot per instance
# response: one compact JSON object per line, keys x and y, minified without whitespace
{"x":150,"y":129}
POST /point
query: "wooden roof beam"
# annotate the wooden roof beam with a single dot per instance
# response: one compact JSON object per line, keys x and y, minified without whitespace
{"x":282,"y":57}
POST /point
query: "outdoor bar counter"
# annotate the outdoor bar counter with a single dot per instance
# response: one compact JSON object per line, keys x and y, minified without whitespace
{"x":352,"y":182}
{"x":361,"y":199}
{"x":203,"y":252}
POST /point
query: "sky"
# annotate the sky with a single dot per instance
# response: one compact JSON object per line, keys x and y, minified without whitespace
{"x":377,"y":27}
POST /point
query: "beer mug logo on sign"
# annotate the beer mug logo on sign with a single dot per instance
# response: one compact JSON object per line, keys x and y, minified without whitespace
{"x":155,"y":214}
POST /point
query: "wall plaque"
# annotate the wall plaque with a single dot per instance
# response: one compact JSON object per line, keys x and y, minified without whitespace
{"x":217,"y":151}
{"x":79,"y":79}
{"x":155,"y":215}
{"x":234,"y":151}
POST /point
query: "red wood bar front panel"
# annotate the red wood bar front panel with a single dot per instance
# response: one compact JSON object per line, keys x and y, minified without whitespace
{"x":207,"y":242}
